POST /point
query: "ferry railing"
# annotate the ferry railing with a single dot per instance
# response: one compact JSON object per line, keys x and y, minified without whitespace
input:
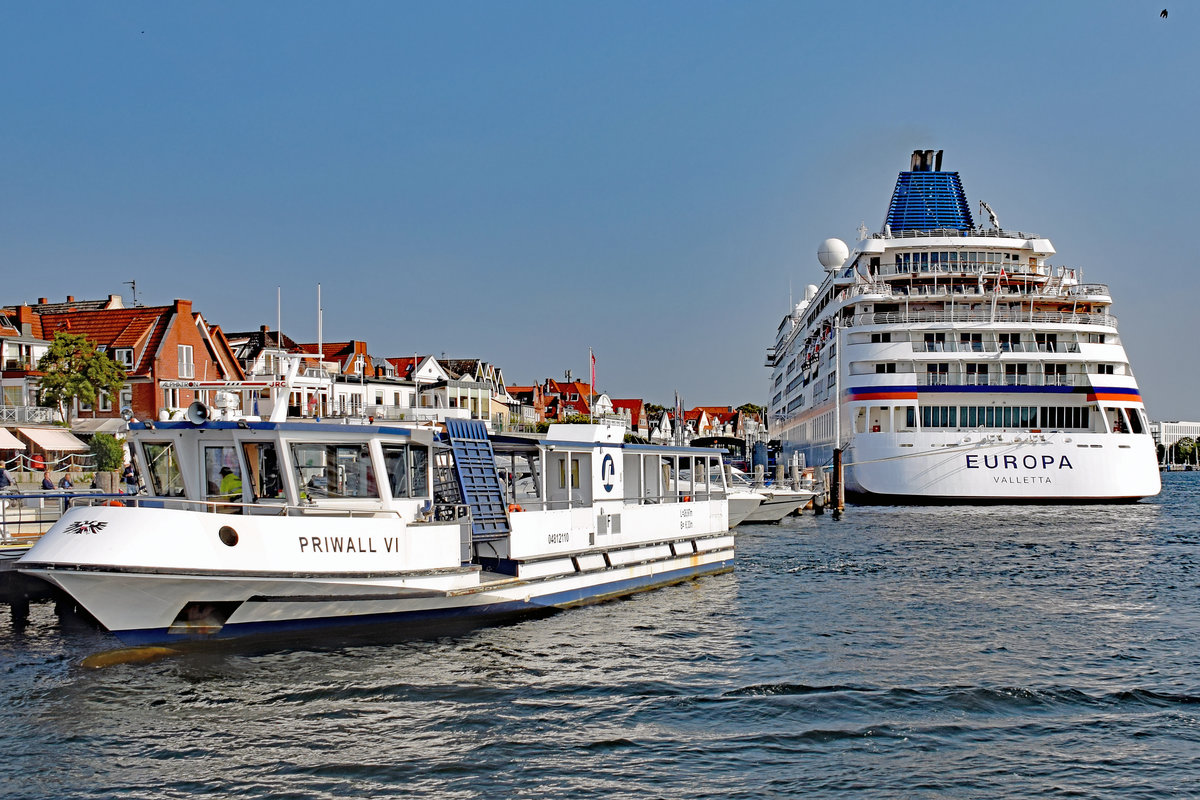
{"x":269,"y":509}
{"x":25,"y":516}
{"x":537,"y":504}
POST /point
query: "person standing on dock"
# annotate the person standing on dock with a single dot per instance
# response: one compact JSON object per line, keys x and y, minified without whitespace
{"x":130,"y":479}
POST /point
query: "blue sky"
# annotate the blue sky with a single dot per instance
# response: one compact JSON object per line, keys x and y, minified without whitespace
{"x":521,"y":181}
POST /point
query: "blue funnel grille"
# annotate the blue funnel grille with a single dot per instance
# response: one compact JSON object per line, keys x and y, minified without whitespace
{"x":926,"y":201}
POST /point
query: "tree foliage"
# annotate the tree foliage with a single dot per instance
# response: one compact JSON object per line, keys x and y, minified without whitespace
{"x":1185,"y":449}
{"x":751,"y":408}
{"x":73,"y":369}
{"x":108,"y":452}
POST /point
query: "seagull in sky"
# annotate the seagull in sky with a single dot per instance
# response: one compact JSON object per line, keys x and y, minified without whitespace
{"x":1163,"y":14}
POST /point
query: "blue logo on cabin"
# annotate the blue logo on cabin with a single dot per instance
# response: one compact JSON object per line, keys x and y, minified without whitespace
{"x":608,"y":469}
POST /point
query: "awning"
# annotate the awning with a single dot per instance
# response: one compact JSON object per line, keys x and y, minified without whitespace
{"x":89,"y":426}
{"x":55,"y":439}
{"x":10,"y":442}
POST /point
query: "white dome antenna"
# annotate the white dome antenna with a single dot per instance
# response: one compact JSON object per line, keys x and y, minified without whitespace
{"x":832,"y":254}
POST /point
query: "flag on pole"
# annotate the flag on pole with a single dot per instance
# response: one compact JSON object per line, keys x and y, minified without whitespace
{"x":592,"y":358}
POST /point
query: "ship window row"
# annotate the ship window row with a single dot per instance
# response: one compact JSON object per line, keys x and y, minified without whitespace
{"x":1028,"y":417}
{"x":956,"y":261}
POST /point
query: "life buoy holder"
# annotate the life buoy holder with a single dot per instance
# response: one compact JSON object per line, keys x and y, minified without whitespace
{"x":514,"y":507}
{"x":114,"y":503}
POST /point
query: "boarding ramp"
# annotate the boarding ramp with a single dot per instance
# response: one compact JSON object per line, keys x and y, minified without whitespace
{"x":475,"y":469}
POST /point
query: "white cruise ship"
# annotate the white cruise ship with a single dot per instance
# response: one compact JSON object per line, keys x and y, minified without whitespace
{"x":955,"y":363}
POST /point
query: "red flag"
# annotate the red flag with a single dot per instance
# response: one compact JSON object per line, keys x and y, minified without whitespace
{"x":592,"y":356}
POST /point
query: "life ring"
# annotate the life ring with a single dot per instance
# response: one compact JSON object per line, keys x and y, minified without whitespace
{"x":114,"y":503}
{"x":514,"y":507}
{"x":687,"y":498}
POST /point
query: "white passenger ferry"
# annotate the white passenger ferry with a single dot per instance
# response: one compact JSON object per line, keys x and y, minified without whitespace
{"x":259,"y":528}
{"x":954,"y":363}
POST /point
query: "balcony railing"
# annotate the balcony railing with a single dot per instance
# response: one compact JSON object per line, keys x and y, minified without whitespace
{"x":26,"y":414}
{"x":967,"y":315}
{"x":1037,"y":379}
{"x":994,"y":347}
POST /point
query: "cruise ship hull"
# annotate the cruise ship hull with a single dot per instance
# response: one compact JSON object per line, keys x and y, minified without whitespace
{"x":1000,"y":468}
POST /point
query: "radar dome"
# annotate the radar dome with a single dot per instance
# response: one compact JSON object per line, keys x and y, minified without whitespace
{"x":833,"y":253}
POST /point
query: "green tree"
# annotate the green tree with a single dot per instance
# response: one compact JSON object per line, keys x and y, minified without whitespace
{"x":750,"y":408}
{"x":108,"y":452}
{"x":73,"y":369}
{"x":1185,"y":448}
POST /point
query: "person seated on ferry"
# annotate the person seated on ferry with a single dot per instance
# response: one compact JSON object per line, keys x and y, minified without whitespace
{"x":65,"y":482}
{"x":47,"y":481}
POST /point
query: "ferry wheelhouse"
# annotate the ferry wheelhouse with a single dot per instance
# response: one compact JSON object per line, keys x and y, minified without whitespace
{"x":273,"y":528}
{"x":955,"y":363}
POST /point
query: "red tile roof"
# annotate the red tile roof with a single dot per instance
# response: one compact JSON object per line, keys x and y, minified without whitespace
{"x":138,"y":328}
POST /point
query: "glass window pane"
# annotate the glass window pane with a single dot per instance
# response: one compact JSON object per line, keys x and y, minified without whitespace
{"x":222,"y":474}
{"x":334,"y":470}
{"x":419,"y":470}
{"x":262,"y":461}
{"x":162,"y":465}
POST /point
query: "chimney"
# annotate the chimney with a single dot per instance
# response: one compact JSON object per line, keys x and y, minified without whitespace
{"x":183,"y":307}
{"x":42,"y":301}
{"x":938,"y":161}
{"x":915,"y":163}
{"x":70,"y":298}
{"x":25,"y":317}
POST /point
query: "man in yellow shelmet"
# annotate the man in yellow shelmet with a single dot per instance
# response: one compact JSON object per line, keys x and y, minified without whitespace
{"x":231,"y":486}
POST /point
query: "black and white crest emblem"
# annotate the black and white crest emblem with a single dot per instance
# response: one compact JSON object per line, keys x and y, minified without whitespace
{"x":86,"y":526}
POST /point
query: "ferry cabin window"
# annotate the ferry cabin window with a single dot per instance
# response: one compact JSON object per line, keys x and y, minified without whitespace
{"x":880,"y":337}
{"x":407,"y":468}
{"x":885,"y":368}
{"x":264,"y":473}
{"x":222,"y":474}
{"x":334,"y":470}
{"x":162,"y":466}
{"x":562,"y":473}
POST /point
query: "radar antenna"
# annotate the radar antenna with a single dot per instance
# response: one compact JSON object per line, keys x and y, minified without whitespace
{"x":983,"y":206}
{"x":133,"y":288}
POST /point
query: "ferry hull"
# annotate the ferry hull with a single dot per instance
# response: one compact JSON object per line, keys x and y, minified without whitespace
{"x":1030,"y":468}
{"x":285,"y":608}
{"x":190,"y":587}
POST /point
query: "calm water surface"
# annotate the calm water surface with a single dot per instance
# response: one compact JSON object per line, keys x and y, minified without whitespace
{"x":929,"y":652}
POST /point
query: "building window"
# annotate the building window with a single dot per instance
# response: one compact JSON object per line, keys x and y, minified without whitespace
{"x":187,"y":369}
{"x":171,"y":398}
{"x":126,"y":398}
{"x":105,"y":401}
{"x":124,"y":357}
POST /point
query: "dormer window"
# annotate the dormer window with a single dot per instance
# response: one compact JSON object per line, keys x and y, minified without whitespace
{"x":124,"y":357}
